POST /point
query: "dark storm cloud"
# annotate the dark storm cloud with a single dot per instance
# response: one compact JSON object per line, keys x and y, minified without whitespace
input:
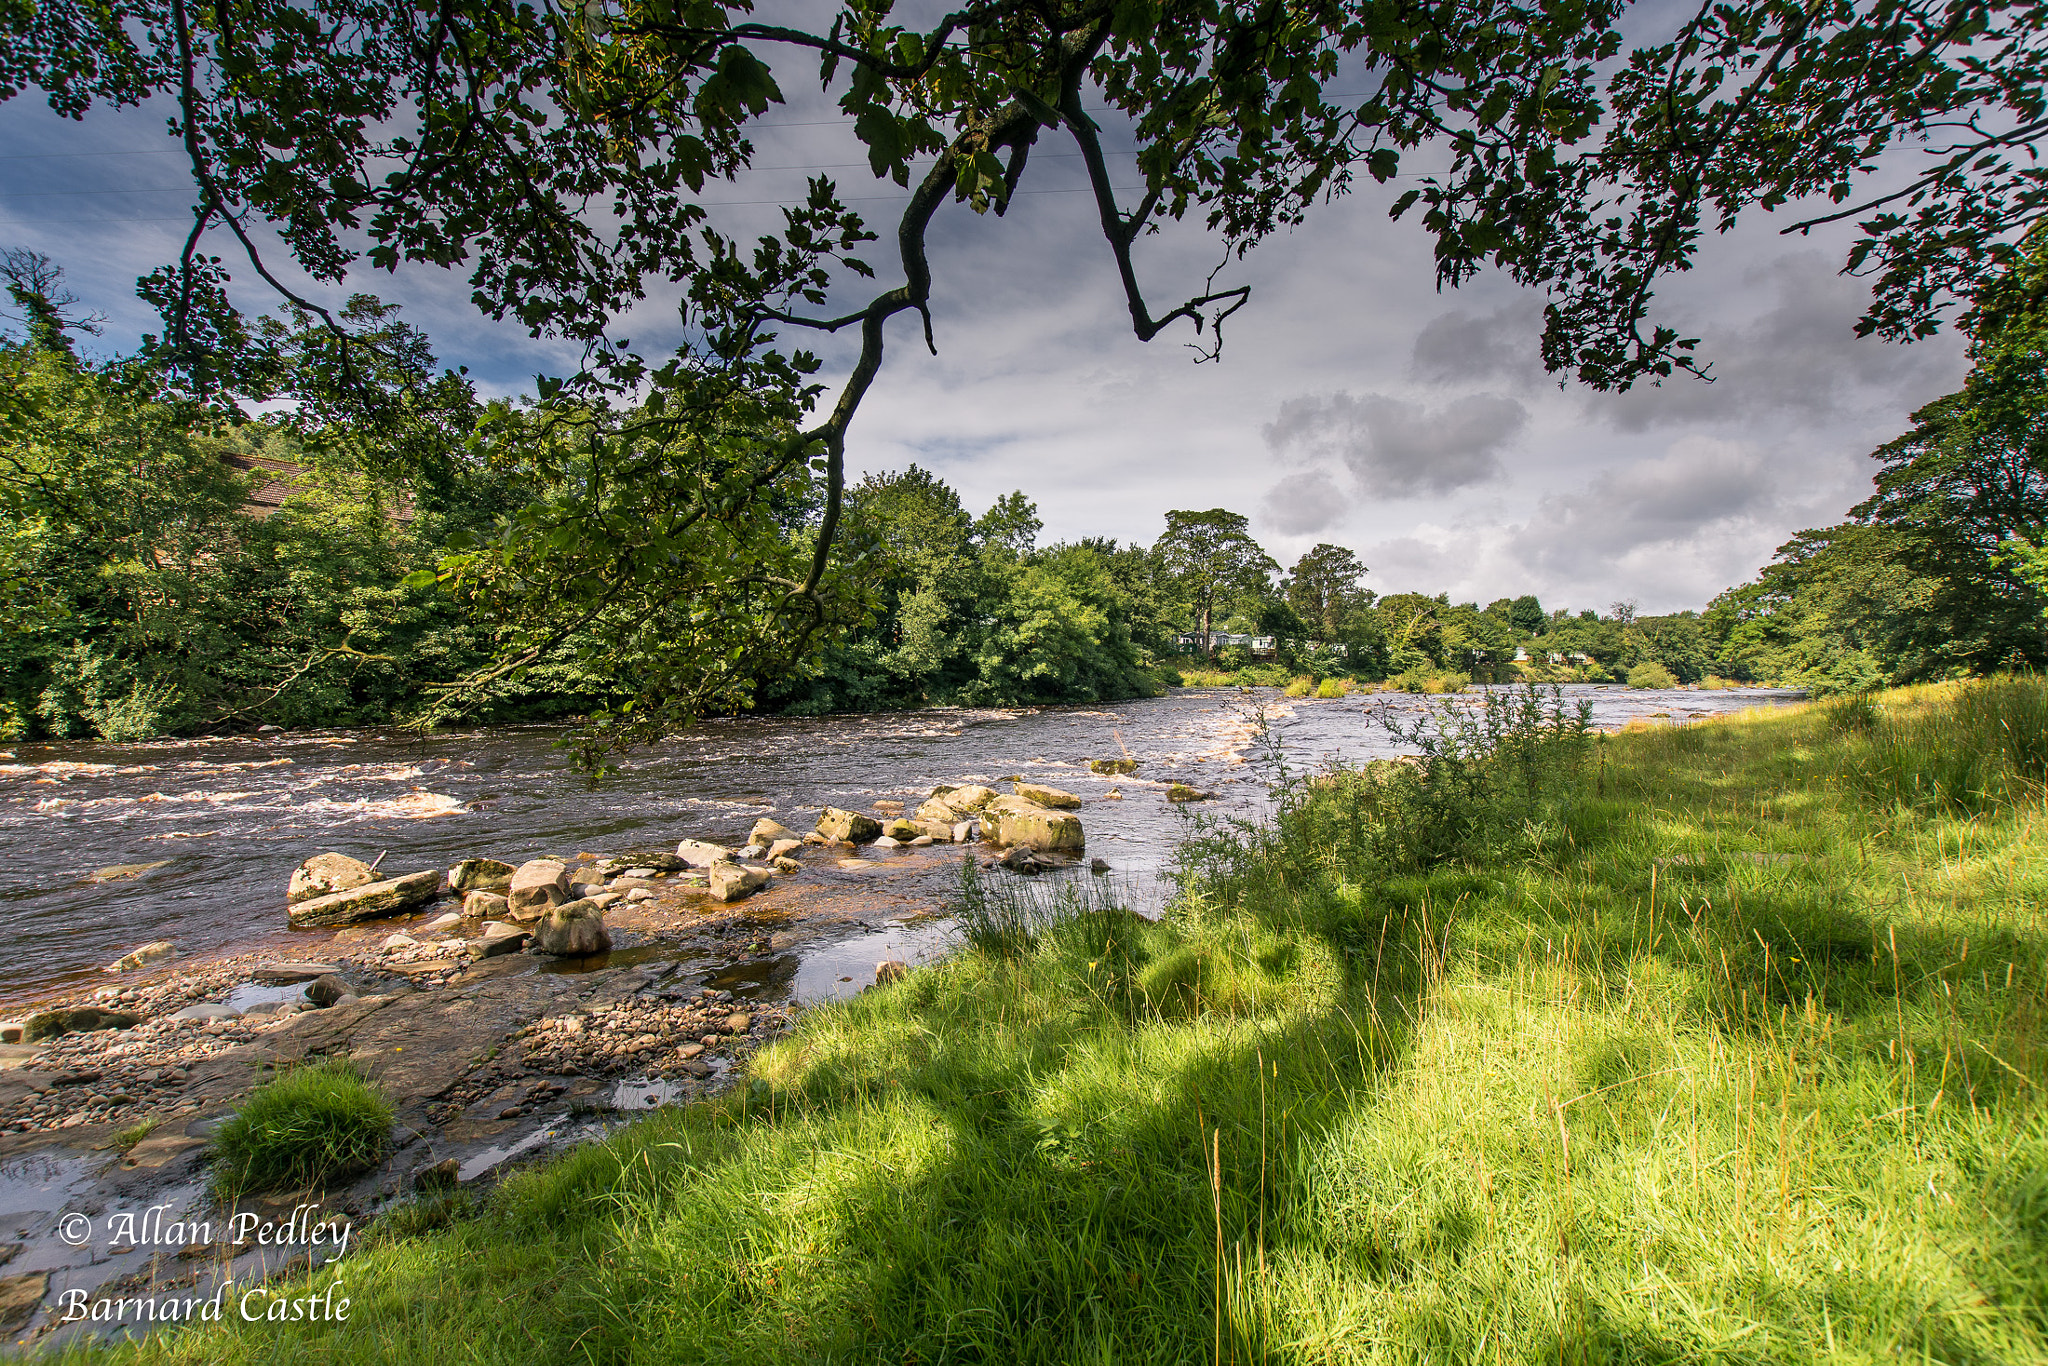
{"x":1700,"y":488}
{"x":1799,"y":360}
{"x":1462,"y":347}
{"x":1397,"y":449}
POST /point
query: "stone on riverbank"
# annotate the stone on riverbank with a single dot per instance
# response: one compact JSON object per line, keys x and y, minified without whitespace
{"x":368,"y":901}
{"x":1113,"y":767}
{"x":703,"y":853}
{"x":500,"y":938}
{"x":782,"y":847}
{"x":288,"y":974}
{"x":730,"y":882}
{"x":574,"y":929}
{"x":50,"y":1024}
{"x":900,"y":829}
{"x":536,"y":885}
{"x":940,"y":832}
{"x":1048,"y":796}
{"x":1181,"y":792}
{"x":326,"y":990}
{"x":481,"y":875}
{"x":847,"y":827}
{"x":1016,"y":821}
{"x":768,"y":831}
{"x":483,"y":906}
{"x":324,"y":875}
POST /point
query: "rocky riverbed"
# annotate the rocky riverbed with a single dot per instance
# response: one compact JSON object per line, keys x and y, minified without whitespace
{"x":491,"y":1051}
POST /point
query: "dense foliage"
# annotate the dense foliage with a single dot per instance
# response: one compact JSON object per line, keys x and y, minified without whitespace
{"x":560,"y":157}
{"x":1939,"y":573}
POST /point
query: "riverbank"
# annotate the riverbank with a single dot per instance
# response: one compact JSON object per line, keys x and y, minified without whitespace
{"x":1743,"y":1061}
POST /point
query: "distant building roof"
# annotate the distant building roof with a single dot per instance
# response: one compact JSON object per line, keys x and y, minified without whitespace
{"x":282,"y":479}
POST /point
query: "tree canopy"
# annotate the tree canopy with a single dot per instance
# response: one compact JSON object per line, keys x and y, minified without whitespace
{"x":560,"y":156}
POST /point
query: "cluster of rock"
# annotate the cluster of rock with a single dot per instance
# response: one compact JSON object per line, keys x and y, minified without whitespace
{"x":647,"y":1037}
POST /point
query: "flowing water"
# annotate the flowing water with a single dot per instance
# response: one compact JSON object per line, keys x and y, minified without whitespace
{"x":108,"y":846}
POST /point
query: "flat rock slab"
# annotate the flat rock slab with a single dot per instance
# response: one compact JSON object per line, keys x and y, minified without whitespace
{"x":285,"y":974}
{"x":160,"y":1150}
{"x":368,"y":901}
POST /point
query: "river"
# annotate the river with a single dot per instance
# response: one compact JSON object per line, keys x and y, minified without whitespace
{"x":217,"y":824}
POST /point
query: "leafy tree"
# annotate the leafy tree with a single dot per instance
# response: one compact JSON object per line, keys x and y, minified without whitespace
{"x":1324,"y":590}
{"x":1214,"y":558}
{"x":1527,"y":616}
{"x":560,"y":156}
{"x":1011,"y":524}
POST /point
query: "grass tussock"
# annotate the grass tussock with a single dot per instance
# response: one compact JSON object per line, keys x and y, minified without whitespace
{"x":310,"y":1125}
{"x":1720,"y":1042}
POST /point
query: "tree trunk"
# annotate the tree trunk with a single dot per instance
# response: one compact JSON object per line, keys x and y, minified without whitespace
{"x":1208,"y":641}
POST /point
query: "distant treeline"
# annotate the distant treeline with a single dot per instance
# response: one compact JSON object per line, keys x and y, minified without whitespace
{"x":170,"y":567}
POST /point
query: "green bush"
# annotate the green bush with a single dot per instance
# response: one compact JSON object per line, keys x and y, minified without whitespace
{"x":1331,"y":688}
{"x":1650,"y":674}
{"x":306,"y":1127}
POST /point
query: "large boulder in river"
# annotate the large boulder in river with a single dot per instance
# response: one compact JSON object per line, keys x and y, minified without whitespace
{"x":703,"y":853}
{"x":955,"y":804}
{"x":1113,"y":767}
{"x":848,"y":827}
{"x":574,"y":929}
{"x":481,"y":875}
{"x":1048,"y":796}
{"x":326,"y":874}
{"x":766,"y":832}
{"x":1015,"y":821}
{"x":367,"y":902}
{"x":536,"y":885}
{"x":731,"y":881}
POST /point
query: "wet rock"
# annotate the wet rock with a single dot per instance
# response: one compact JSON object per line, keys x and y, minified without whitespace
{"x":730,"y":882}
{"x":889,"y":805}
{"x":888,"y":842}
{"x":401,"y":941}
{"x":784,"y":846}
{"x":450,"y":920}
{"x":536,"y":885}
{"x":481,"y":875}
{"x":1020,"y":822}
{"x":574,"y":929}
{"x":1115,"y":794}
{"x":1098,"y":866}
{"x":703,"y":853}
{"x":325,"y":991}
{"x":207,"y":1011}
{"x":767,"y":831}
{"x":815,"y":838}
{"x":440,"y":1176}
{"x":10,"y":1032}
{"x":1113,"y":767}
{"x":1057,"y":798}
{"x":739,"y":1022}
{"x":900,"y":830}
{"x":500,"y":938}
{"x":290,"y":974}
{"x":949,"y":803}
{"x":117,"y":872}
{"x":920,"y":841}
{"x":325,"y":874}
{"x":786,"y":865}
{"x":1181,"y":792}
{"x":847,"y":827}
{"x":940,"y":831}
{"x":480,"y":906}
{"x":368,"y":901}
{"x":19,"y":1298}
{"x":154,"y":951}
{"x":641,"y":874}
{"x":50,"y":1024}
{"x":966,"y":831}
{"x":1020,"y":859}
{"x":891,"y":970}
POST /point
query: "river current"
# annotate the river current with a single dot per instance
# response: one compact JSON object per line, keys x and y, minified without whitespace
{"x":108,"y":846}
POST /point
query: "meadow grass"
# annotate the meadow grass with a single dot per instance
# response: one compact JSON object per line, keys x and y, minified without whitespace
{"x":1738,"y":1059}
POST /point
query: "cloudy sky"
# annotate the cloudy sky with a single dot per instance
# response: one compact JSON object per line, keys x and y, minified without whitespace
{"x":1353,"y":403}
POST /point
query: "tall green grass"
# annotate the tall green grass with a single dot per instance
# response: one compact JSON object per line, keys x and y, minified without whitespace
{"x":311,"y":1124}
{"x":1741,"y":1060}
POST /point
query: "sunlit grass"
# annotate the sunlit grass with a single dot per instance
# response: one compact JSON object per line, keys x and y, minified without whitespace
{"x":1743,"y":1064}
